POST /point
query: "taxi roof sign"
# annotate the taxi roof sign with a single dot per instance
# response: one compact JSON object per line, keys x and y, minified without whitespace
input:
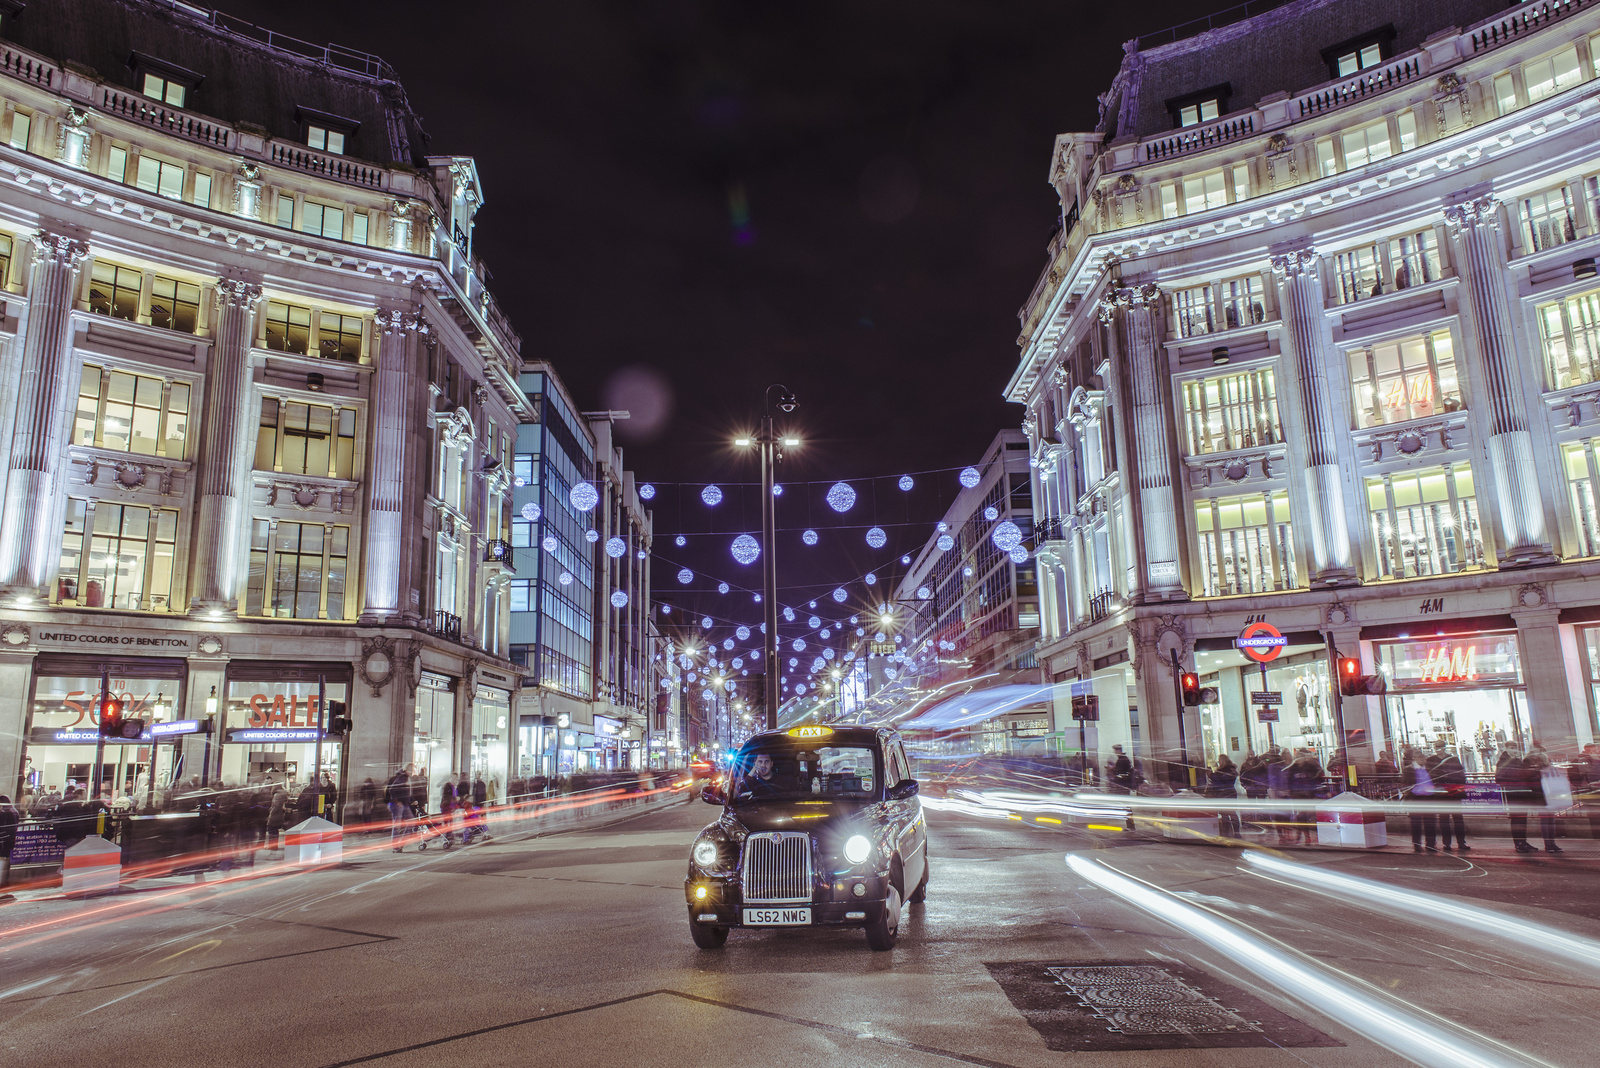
{"x":809,"y":732}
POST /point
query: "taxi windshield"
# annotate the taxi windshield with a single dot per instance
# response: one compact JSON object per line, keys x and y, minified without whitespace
{"x":804,"y":771}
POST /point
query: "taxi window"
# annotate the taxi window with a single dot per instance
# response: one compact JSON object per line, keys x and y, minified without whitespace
{"x":790,"y":771}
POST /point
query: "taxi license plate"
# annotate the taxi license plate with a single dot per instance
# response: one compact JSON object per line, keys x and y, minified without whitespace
{"x":777,"y":917}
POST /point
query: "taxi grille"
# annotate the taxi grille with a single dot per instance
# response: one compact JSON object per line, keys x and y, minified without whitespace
{"x":777,"y":867}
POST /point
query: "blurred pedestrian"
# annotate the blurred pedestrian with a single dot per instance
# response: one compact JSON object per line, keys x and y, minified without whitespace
{"x":1419,"y":789}
{"x":1120,"y":771}
{"x":1518,"y":777}
{"x":1449,"y":777}
{"x":277,"y":815}
{"x":1223,"y":783}
{"x":397,"y":796}
{"x":9,"y":818}
{"x":447,"y":810}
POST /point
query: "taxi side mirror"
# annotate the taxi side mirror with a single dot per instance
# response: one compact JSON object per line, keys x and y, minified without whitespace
{"x":904,"y":790}
{"x":712,"y":795}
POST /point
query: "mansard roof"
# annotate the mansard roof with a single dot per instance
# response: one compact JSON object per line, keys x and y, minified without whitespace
{"x":250,"y":74}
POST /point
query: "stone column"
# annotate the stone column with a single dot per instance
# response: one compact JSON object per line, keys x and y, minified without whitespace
{"x":1132,"y":313}
{"x":391,"y":429}
{"x":1332,"y":562}
{"x":1550,"y":705}
{"x":223,"y":477}
{"x":14,"y":670}
{"x":45,"y":402}
{"x":1524,"y":538}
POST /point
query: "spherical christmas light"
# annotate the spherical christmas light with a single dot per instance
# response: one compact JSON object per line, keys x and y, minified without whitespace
{"x":531,"y":512}
{"x":583,"y":497}
{"x":877,"y":538}
{"x":890,"y":673}
{"x":898,"y":638}
{"x":755,"y":654}
{"x":616,"y":548}
{"x":817,"y":664}
{"x":763,"y":628}
{"x":566,"y":579}
{"x":777,"y":490}
{"x":647,"y":492}
{"x":870,"y":579}
{"x":813,"y":622}
{"x":743,"y":633}
{"x":738,"y":662}
{"x":878,"y":636}
{"x":813,"y":604}
{"x":841,"y":497}
{"x":1006,"y":536}
{"x":905,"y":559}
{"x":643,"y":555}
{"x":705,"y":622}
{"x":923,"y":593}
{"x":591,"y":536}
{"x":794,"y":661}
{"x":680,"y":541}
{"x":991,"y":513}
{"x":943,"y":526}
{"x":860,"y":632}
{"x":619,"y":599}
{"x":727,"y":643}
{"x":854,"y":620}
{"x":800,"y":687}
{"x":686,"y":576}
{"x":712,"y":495}
{"x":828,"y":653}
{"x":839,"y":595}
{"x":666,"y":609}
{"x":824,"y":633}
{"x":745,"y":549}
{"x":906,"y":483}
{"x":788,"y":614}
{"x":967,"y":571}
{"x":969,"y":477}
{"x":798,"y":645}
{"x":945,"y":543}
{"x":722,"y":587}
{"x":758,"y":598}
{"x":809,"y":537}
{"x":1018,"y":554}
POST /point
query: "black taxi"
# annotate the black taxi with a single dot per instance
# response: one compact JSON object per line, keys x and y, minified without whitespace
{"x":820,"y":827}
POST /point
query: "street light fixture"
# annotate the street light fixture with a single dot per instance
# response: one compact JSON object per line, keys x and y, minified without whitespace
{"x":769,"y":441}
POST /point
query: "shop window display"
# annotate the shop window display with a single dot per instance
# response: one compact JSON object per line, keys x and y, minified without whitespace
{"x":1465,"y":690}
{"x":491,"y":737}
{"x":270,"y":731}
{"x":64,"y":731}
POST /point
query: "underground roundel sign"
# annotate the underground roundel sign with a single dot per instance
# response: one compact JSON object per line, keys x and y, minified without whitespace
{"x":1261,"y":642}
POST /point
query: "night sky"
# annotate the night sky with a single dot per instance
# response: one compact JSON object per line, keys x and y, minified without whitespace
{"x":850,"y":198}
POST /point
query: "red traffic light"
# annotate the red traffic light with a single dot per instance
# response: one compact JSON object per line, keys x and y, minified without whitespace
{"x":1190,"y":682}
{"x":110,"y":718}
{"x":1349,"y":667}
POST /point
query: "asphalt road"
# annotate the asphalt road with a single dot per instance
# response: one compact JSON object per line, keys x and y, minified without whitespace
{"x":573,"y":950}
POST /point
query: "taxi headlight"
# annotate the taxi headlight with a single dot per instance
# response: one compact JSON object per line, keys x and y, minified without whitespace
{"x":857,"y":849}
{"x":706,"y":854}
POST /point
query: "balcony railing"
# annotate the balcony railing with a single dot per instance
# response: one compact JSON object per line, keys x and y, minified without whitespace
{"x":1050,"y":528}
{"x":1219,"y":132}
{"x":169,"y":120}
{"x":1099,"y":607}
{"x":498,"y":551}
{"x":1359,"y":88}
{"x":447,"y":626}
{"x":1529,"y":17}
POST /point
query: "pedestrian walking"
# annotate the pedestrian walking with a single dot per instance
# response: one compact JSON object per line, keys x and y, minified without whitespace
{"x":1518,"y":777}
{"x":9,"y":818}
{"x":1449,"y":777}
{"x":277,"y":815}
{"x":1418,"y":786}
{"x":447,"y":810}
{"x":397,"y":796}
{"x":1223,"y":782}
{"x":1120,"y":771}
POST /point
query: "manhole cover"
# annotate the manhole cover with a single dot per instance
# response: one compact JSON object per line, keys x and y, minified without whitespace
{"x":1126,"y":1005}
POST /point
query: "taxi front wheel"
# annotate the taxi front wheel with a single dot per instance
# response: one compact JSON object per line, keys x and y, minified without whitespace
{"x":883,"y":930}
{"x":707,"y":936}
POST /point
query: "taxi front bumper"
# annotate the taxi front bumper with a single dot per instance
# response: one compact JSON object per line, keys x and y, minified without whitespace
{"x":720,"y":902}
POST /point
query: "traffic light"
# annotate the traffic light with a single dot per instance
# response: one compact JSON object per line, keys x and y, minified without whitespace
{"x":112,"y":724}
{"x":1354,"y":684}
{"x":338,"y":720}
{"x":1191,"y":688}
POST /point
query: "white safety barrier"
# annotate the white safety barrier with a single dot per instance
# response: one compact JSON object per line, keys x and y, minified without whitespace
{"x":93,"y":866}
{"x":313,"y":841}
{"x":1351,"y":820}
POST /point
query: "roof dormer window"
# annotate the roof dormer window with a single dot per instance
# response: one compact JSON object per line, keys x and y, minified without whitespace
{"x":1359,"y":53}
{"x":325,"y":132}
{"x":166,"y":82}
{"x":1194,"y":108}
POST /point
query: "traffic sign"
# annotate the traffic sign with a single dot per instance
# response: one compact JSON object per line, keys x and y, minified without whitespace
{"x":1261,"y":642}
{"x":1086,"y":708}
{"x":1266,"y":697}
{"x":1267,"y":715}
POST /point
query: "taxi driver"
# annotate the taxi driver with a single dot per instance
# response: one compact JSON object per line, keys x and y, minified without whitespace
{"x":758,"y":783}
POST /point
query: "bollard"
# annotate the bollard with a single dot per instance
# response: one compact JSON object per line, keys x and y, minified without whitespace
{"x":1188,"y":822}
{"x":313,"y":841}
{"x":1352,"y":821}
{"x":93,"y":866}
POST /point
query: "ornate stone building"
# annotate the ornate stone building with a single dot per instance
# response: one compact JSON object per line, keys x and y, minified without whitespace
{"x":257,"y":412}
{"x":1318,"y":344}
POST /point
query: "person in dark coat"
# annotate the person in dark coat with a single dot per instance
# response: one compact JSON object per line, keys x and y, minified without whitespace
{"x":278,"y":810}
{"x":1518,"y":777}
{"x":1450,"y":787}
{"x":1121,"y":772}
{"x":397,"y":796}
{"x":9,"y":818}
{"x":1419,"y":788}
{"x":1223,"y":782}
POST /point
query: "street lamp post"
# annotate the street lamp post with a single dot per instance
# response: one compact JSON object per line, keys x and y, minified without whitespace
{"x":768,"y":440}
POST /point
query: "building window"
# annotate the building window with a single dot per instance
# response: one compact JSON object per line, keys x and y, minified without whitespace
{"x":1407,"y":123}
{"x":1401,"y":380}
{"x":1550,"y":75}
{"x":1548,"y":219}
{"x":358,"y":227}
{"x":1222,"y":306}
{"x":1198,"y":112}
{"x":1327,"y":164}
{"x":129,"y":562}
{"x":1413,"y":258}
{"x":114,"y":290}
{"x":5,"y":259}
{"x":201,"y":197}
{"x":1366,"y":144}
{"x":339,"y":337}
{"x":1241,"y":182}
{"x":306,"y":439}
{"x":160,"y":177}
{"x":1203,"y":192}
{"x":165,"y":90}
{"x":322,"y":220}
{"x":174,"y":304}
{"x":522,"y":596}
{"x":1425,"y":524}
{"x":21,"y":127}
{"x":1169,"y":200}
{"x":294,"y":568}
{"x":325,"y":140}
{"x":1583,"y":491}
{"x":1408,"y":260}
{"x":1245,"y":544}
{"x":522,"y":532}
{"x":285,"y":211}
{"x":523,"y":471}
{"x":131,"y":413}
{"x":1235,"y":411}
{"x":117,"y":163}
{"x":1191,"y":309}
{"x":1571,"y":332}
{"x":1358,"y":59}
{"x":288,"y":327}
{"x":1355,"y":274}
